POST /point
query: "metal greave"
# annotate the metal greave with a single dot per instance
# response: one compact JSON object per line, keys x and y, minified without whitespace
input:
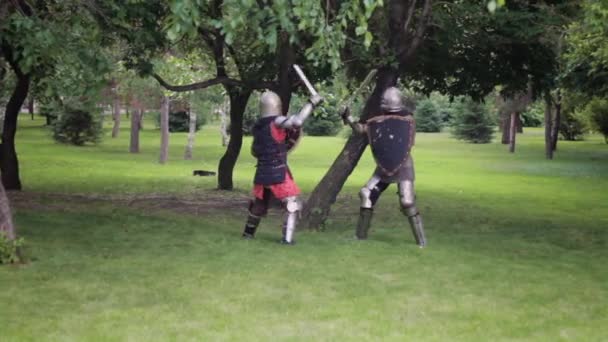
{"x":365,"y":218}
{"x":415,"y":221}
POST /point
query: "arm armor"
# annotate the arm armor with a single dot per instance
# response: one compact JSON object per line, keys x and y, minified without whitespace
{"x":296,"y":121}
{"x":356,"y":126}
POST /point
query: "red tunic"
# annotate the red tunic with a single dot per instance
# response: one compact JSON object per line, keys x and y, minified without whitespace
{"x":288,"y":187}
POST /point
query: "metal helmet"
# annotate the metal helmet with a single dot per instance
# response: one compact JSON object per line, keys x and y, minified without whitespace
{"x":391,"y":100}
{"x":270,"y":104}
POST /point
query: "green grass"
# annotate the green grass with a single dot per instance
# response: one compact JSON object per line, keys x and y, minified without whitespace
{"x":517,"y":247}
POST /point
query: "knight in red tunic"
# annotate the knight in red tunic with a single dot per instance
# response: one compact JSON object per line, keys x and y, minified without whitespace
{"x":271,"y":141}
{"x":391,"y":137}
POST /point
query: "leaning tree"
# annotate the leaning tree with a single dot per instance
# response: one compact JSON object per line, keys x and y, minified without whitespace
{"x":455,"y":48}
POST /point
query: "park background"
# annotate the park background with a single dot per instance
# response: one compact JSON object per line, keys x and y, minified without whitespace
{"x":123,"y":243}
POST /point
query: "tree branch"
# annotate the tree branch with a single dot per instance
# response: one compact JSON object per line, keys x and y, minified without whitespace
{"x":423,"y":23}
{"x":225,"y":80}
{"x":198,"y":85}
{"x":410,"y":14}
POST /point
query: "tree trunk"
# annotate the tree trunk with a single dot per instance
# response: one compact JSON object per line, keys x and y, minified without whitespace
{"x":519,"y":124}
{"x":191,"y":134}
{"x":238,"y":103}
{"x":548,"y":128}
{"x":224,"y":122}
{"x":135,"y":122}
{"x":140,"y":124}
{"x":9,"y":164}
{"x":164,"y":129}
{"x":324,"y":194}
{"x":30,"y":107}
{"x":286,"y":60}
{"x":116,"y":114}
{"x":513,"y":131}
{"x":6,"y":218}
{"x":505,"y":127}
{"x":557,"y":122}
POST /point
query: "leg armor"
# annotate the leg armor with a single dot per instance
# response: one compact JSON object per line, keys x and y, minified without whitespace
{"x":408,"y":207}
{"x":292,"y":207}
{"x":369,"y":195}
{"x":257,"y":209}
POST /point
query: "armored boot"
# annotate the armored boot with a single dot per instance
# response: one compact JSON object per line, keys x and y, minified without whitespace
{"x":251,"y":226}
{"x":365,"y":218}
{"x":289,"y":229}
{"x":413,"y":216}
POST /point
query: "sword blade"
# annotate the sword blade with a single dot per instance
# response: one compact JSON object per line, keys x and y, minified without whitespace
{"x":305,"y":80}
{"x":368,"y":79}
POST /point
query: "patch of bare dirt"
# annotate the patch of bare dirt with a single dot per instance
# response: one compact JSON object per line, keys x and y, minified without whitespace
{"x":198,"y":204}
{"x":194,"y":204}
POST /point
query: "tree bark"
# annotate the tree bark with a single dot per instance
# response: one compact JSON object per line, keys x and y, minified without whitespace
{"x":6,"y":218}
{"x":519,"y":124}
{"x":116,"y":113}
{"x":238,"y":103}
{"x":513,"y":131}
{"x":140,"y":124}
{"x":135,"y":122}
{"x":224,"y":122}
{"x":9,"y":163}
{"x":30,"y":107}
{"x":505,"y":127}
{"x":286,"y":59}
{"x":164,"y":129}
{"x":557,"y":122}
{"x":191,"y":134}
{"x":548,"y":128}
{"x":318,"y":206}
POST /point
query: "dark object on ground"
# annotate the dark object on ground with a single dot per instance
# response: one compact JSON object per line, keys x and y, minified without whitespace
{"x":203,"y":173}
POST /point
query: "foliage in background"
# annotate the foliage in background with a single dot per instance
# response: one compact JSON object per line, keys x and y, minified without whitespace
{"x":326,"y":120}
{"x":428,"y":117}
{"x":473,"y":122}
{"x":77,"y":126}
{"x":574,"y":121}
{"x":179,"y":121}
{"x":533,"y":116}
{"x":597,"y":110}
{"x":9,"y":249}
{"x":573,"y":125}
{"x":586,"y":54}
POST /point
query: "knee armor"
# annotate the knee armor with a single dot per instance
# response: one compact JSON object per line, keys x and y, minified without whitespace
{"x":407,"y":197}
{"x":369,"y":196}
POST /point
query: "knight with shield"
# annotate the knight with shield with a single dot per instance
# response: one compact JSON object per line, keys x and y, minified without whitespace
{"x":391,"y":137}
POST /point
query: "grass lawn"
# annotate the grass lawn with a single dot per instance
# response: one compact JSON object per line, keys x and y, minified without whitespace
{"x":123,"y":248}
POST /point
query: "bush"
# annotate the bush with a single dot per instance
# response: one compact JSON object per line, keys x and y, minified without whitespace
{"x":180,"y":121}
{"x":534,"y":115}
{"x":473,"y":122}
{"x":598,"y":113}
{"x":77,"y":127}
{"x":9,"y":249}
{"x":325,"y":120}
{"x":572,"y":126}
{"x":322,"y":126}
{"x":428,"y":117}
